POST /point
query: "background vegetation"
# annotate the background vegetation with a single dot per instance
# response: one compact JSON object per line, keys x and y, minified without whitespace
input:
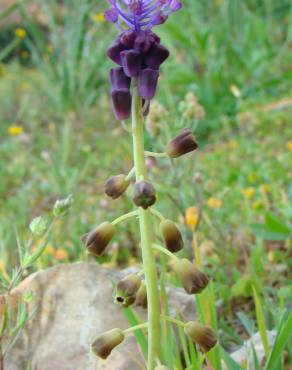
{"x":229,"y":79}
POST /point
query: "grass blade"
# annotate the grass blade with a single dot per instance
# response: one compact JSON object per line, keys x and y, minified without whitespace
{"x":261,"y":321}
{"x":284,"y":334}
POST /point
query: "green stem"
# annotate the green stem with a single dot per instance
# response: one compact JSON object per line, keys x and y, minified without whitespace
{"x":173,"y":320}
{"x":157,"y":214}
{"x":145,"y":221}
{"x":124,"y":217}
{"x":165,"y":251}
{"x":136,"y":327}
{"x":154,"y":154}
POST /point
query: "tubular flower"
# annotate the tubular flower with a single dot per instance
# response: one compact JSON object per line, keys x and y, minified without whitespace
{"x":115,"y":186}
{"x":171,"y":236}
{"x":105,"y":343}
{"x":98,"y":239}
{"x":202,"y":335}
{"x":193,"y":280}
{"x":137,"y":50}
{"x":144,"y":194}
{"x":127,"y":289}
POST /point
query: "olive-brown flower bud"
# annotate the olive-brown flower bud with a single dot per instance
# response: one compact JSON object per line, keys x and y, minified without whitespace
{"x":141,"y":296}
{"x":144,"y":194}
{"x":105,"y":343}
{"x":192,"y":279}
{"x":97,"y":240}
{"x":201,"y":334}
{"x":171,"y":235}
{"x":183,"y":143}
{"x":126,"y":290}
{"x":115,"y":186}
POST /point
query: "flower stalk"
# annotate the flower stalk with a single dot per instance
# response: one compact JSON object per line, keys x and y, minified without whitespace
{"x":145,"y":222}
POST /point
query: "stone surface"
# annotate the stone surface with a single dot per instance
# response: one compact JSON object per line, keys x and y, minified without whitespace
{"x":74,"y":305}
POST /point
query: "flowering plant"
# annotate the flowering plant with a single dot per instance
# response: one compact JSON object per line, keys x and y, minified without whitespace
{"x":138,"y":52}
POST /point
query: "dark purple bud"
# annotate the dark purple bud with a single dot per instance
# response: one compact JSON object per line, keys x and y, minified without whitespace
{"x":155,"y":37}
{"x":122,"y":102}
{"x":131,"y":62}
{"x":156,"y":56}
{"x":183,"y":143}
{"x":148,"y":83}
{"x":118,"y":79}
{"x":111,"y":15}
{"x":144,"y":42}
{"x":128,"y":38}
{"x":144,"y":194}
{"x":114,"y":52}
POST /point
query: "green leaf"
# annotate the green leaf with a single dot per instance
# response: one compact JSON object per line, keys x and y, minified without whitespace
{"x":229,"y":362}
{"x":139,"y":335}
{"x":277,"y":225}
{"x":273,"y":229}
{"x":261,"y":320}
{"x":284,"y":334}
{"x":246,"y":322}
{"x":262,"y":231}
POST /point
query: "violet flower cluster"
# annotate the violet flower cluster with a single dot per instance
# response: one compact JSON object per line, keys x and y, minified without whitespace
{"x":137,"y":50}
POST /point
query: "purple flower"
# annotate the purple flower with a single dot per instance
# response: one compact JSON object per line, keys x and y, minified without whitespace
{"x":118,"y":79}
{"x":122,"y":102}
{"x":131,"y":62}
{"x":147,"y":83}
{"x":137,"y":50}
{"x":141,"y":14}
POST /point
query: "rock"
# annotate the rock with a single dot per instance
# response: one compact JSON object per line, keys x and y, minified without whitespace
{"x":244,"y":355}
{"x":74,"y":305}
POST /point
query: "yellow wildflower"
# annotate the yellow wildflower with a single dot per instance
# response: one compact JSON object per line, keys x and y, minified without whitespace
{"x":15,"y":130}
{"x":49,"y":250}
{"x":271,"y":256}
{"x":214,"y":203}
{"x":2,"y":268}
{"x":265,"y":188}
{"x":289,"y":145}
{"x":61,"y":254}
{"x":20,"y":33}
{"x":235,"y":91}
{"x":192,"y":217}
{"x":98,"y":17}
{"x":257,"y":204}
{"x":248,"y":192}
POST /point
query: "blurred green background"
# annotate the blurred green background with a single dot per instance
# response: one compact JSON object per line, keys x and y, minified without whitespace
{"x":228,"y":78}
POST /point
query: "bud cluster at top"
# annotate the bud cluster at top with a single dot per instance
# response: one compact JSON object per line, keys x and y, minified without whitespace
{"x":137,"y":50}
